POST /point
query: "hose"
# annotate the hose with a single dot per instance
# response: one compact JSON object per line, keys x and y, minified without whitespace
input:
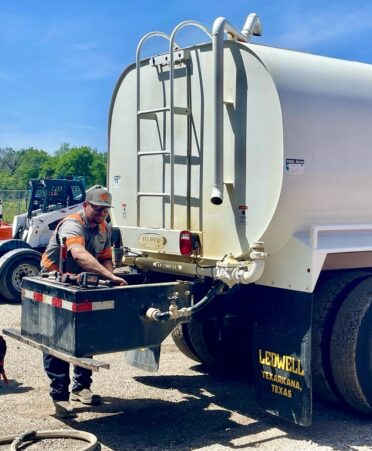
{"x":213,"y":291}
{"x":18,"y":439}
{"x":156,"y":315}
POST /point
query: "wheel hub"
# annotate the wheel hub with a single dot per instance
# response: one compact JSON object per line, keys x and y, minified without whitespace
{"x":23,"y":270}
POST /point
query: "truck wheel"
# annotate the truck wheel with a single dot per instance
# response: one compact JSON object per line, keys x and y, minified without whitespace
{"x":205,"y":342}
{"x":181,"y":339}
{"x":351,"y":357}
{"x":221,"y":347}
{"x":328,"y":296}
{"x":15,"y":265}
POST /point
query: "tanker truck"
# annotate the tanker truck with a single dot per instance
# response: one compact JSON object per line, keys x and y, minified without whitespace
{"x":241,"y":183}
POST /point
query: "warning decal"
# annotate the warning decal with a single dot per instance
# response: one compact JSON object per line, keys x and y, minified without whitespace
{"x":117,"y":181}
{"x":294,"y":166}
{"x":243,"y":214}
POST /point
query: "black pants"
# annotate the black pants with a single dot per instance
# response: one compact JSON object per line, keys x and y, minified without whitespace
{"x":58,"y":372}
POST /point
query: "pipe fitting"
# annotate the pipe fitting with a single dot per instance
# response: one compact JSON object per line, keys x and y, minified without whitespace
{"x":252,"y":26}
{"x":216,"y":196}
{"x":232,"y":271}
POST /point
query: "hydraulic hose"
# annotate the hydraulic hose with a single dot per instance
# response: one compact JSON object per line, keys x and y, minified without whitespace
{"x":156,"y":315}
{"x":18,"y":439}
{"x":213,"y":291}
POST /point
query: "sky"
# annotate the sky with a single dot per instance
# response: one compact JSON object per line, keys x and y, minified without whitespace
{"x":60,"y":60}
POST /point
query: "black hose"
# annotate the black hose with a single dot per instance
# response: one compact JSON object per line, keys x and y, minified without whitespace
{"x":18,"y":439}
{"x":213,"y":291}
{"x":162,"y":316}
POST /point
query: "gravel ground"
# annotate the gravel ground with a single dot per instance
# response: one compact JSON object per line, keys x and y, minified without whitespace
{"x":181,"y":407}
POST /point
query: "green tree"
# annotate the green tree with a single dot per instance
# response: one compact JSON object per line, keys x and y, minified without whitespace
{"x":18,"y":166}
{"x":30,"y":166}
{"x":10,"y":159}
{"x":80,"y":161}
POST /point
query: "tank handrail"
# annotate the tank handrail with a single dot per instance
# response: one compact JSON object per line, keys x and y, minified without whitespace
{"x":220,"y":26}
{"x":151,"y":34}
{"x":171,"y":104}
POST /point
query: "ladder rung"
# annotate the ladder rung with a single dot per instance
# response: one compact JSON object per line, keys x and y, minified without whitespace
{"x":151,"y":114}
{"x":153,"y":194}
{"x":181,"y":110}
{"x":154,"y":152}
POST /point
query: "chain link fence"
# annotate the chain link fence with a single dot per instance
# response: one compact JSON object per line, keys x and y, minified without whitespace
{"x":13,"y":203}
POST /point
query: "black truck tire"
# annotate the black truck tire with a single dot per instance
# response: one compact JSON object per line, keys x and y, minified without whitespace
{"x":205,"y":342}
{"x":199,"y":340}
{"x":15,"y":265}
{"x":351,"y":357}
{"x":181,"y":339}
{"x":329,"y":294}
{"x":221,"y":348}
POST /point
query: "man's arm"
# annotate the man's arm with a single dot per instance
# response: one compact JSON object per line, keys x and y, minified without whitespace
{"x":89,"y":263}
{"x":107,"y":263}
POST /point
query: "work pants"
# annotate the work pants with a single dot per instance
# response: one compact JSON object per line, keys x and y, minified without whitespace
{"x":58,"y":372}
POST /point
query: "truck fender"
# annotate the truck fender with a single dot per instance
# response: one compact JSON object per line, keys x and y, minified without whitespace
{"x":9,"y":245}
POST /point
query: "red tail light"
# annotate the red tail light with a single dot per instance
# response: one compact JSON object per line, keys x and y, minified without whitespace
{"x":186,"y":242}
{"x":189,"y":243}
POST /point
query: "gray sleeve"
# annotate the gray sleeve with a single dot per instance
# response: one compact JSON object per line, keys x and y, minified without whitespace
{"x":73,"y":232}
{"x":109,"y":235}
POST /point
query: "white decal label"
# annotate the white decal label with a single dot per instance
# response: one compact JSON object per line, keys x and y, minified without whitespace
{"x":294,"y":166}
{"x":243,"y":214}
{"x":117,"y":181}
{"x":124,"y":210}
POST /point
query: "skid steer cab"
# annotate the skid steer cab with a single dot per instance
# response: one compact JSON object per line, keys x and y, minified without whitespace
{"x":47,"y":202}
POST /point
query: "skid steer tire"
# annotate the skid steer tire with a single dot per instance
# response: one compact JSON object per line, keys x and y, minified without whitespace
{"x":351,"y":357}
{"x":15,"y":265}
{"x":181,"y":339}
{"x":329,"y":294}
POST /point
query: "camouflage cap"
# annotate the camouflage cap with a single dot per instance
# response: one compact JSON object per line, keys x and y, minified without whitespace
{"x":99,"y":196}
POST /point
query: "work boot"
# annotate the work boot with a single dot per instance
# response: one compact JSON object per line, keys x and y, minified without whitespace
{"x":63,"y":409}
{"x":86,"y":397}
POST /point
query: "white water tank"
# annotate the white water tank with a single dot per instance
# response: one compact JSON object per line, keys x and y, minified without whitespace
{"x":297,"y":150}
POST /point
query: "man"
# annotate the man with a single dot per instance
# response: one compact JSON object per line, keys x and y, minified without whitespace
{"x":2,"y":357}
{"x":88,"y":241}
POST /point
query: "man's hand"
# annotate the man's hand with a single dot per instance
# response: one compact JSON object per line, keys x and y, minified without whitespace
{"x":118,"y":280}
{"x":91,"y":264}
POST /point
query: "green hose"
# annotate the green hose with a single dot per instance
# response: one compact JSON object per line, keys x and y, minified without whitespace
{"x":18,"y":439}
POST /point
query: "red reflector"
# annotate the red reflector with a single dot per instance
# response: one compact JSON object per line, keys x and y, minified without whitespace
{"x":185,"y":242}
{"x":56,"y":302}
{"x":38,"y":297}
{"x":84,"y":307}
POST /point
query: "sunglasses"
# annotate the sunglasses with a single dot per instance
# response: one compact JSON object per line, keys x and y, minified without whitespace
{"x":99,"y":209}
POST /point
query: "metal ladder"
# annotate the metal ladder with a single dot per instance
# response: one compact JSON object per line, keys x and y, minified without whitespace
{"x":152,"y":114}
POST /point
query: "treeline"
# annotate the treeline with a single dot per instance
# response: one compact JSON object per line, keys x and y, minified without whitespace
{"x":17,"y":167}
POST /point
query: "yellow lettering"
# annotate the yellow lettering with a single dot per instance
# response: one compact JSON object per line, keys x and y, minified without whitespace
{"x":282,"y":391}
{"x":279,"y":360}
{"x":260,"y":358}
{"x":282,"y":362}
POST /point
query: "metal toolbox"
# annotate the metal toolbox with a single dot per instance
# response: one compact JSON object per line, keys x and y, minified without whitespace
{"x":97,"y":320}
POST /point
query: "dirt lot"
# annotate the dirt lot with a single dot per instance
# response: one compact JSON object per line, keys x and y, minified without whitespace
{"x":181,"y":407}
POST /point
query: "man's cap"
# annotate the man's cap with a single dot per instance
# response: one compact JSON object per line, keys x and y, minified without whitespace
{"x":99,"y":196}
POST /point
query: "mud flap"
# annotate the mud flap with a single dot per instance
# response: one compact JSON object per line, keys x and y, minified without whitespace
{"x":146,"y":359}
{"x":282,"y":353}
